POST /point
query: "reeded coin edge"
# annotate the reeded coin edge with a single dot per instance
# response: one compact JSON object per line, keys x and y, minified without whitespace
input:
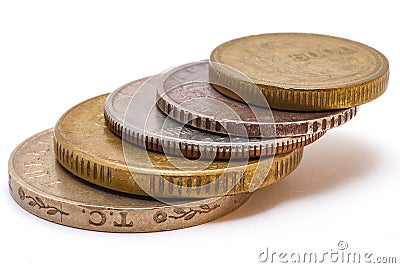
{"x":297,"y":99}
{"x":305,"y":127}
{"x":301,"y":99}
{"x":219,"y":152}
{"x":215,"y":57}
{"x":99,"y":172}
{"x":183,"y":183}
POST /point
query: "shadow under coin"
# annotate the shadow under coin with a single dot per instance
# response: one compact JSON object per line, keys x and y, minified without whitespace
{"x":329,"y":163}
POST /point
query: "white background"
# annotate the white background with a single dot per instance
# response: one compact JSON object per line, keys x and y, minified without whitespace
{"x":54,"y":55}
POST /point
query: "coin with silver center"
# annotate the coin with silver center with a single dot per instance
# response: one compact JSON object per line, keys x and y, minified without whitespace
{"x":44,"y":188}
{"x":162,"y":134}
{"x":199,"y":105}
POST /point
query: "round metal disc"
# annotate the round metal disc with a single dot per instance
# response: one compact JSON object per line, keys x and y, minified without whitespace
{"x":161,"y":134}
{"x":300,"y":71}
{"x":196,"y":103}
{"x":44,"y":188}
{"x":86,"y":147}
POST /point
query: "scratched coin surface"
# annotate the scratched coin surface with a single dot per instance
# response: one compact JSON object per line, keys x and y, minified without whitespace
{"x":300,"y":71}
{"x":44,"y":188}
{"x":161,"y":134}
{"x":200,"y":105}
{"x":87,"y":148}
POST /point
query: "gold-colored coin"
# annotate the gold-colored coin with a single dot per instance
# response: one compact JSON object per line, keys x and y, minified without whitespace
{"x":299,"y":71}
{"x":86,"y":147}
{"x":44,"y":188}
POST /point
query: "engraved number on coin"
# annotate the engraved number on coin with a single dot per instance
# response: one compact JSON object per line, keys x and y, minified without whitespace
{"x":317,"y":54}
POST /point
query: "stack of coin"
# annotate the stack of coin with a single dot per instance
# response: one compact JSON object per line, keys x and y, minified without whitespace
{"x":190,"y":145}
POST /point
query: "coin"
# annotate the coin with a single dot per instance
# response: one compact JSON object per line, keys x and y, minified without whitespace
{"x":87,"y":148}
{"x":300,"y":71}
{"x":165,"y":135}
{"x":191,"y":103}
{"x":44,"y":188}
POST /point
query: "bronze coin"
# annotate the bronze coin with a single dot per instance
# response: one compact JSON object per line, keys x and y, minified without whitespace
{"x":44,"y":188}
{"x":300,"y":71}
{"x":200,"y":105}
{"x":86,"y":147}
{"x":162,"y":134}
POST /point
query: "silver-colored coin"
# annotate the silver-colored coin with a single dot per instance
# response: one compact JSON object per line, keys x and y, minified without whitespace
{"x":199,"y":105}
{"x":162,"y":134}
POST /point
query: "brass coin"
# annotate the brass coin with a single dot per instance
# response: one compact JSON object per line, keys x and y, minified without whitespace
{"x":86,"y":147}
{"x":199,"y":105}
{"x":299,"y":71}
{"x":44,"y":188}
{"x":161,"y":133}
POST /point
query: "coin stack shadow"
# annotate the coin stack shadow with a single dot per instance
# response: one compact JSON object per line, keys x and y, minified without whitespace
{"x":190,"y":145}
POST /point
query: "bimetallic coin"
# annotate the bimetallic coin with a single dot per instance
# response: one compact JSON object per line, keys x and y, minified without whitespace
{"x":87,"y":148}
{"x":200,"y":105}
{"x":299,"y":71}
{"x":161,"y":134}
{"x":44,"y":188}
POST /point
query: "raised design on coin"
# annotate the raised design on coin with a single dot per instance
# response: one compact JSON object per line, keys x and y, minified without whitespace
{"x":162,"y":134}
{"x":77,"y":137}
{"x":65,"y":199}
{"x":300,"y":71}
{"x":200,"y":105}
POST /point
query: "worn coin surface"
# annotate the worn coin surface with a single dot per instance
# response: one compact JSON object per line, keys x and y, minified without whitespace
{"x":44,"y":188}
{"x":300,"y":71}
{"x":200,"y":105}
{"x":161,"y":134}
{"x":86,"y":147}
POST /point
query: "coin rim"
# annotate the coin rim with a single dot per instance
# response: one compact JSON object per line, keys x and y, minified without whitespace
{"x":175,"y":110}
{"x":308,"y":98}
{"x":17,"y":181}
{"x":126,"y":183}
{"x":215,"y":57}
{"x":195,"y":149}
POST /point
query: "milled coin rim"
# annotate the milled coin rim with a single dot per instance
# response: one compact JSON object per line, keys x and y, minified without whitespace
{"x":303,"y":98}
{"x":195,"y":149}
{"x":118,"y":176}
{"x":215,"y":57}
{"x":207,"y":122}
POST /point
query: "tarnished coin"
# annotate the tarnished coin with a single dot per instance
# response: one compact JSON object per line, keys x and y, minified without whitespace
{"x":191,"y":103}
{"x":161,"y":134}
{"x":86,"y":147}
{"x":44,"y":188}
{"x":299,"y":71}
